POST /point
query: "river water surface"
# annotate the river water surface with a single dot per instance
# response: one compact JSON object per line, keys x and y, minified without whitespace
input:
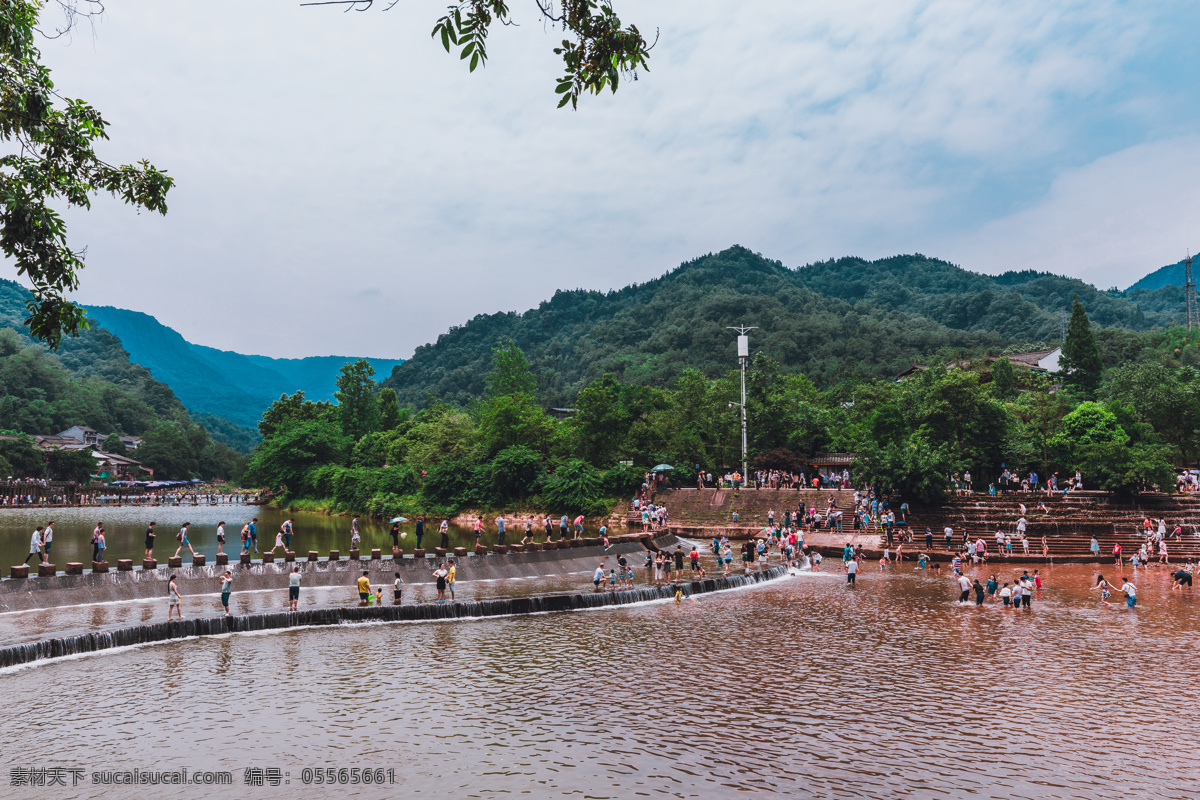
{"x":801,"y":687}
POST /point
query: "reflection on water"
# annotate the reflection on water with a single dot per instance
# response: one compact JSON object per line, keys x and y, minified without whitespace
{"x":804,"y":687}
{"x":125,"y":528}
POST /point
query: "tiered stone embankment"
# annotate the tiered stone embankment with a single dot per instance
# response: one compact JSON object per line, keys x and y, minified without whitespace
{"x":1068,"y":522}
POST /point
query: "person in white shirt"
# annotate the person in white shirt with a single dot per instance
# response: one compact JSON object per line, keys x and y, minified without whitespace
{"x":35,"y":546}
{"x":964,"y":585}
{"x":48,"y":539}
{"x":1006,"y":594}
{"x":1130,"y":592}
{"x":851,"y":570}
{"x":1026,"y":591}
{"x":294,"y":589}
{"x":598,"y":576}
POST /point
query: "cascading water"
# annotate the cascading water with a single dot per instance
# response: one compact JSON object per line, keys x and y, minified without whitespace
{"x":183,"y":629}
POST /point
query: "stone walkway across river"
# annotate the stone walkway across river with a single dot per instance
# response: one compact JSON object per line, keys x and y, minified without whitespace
{"x":215,"y":626}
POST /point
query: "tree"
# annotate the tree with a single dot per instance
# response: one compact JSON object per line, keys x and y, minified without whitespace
{"x":113,"y":444}
{"x":1167,"y":399}
{"x":357,"y":408}
{"x":515,"y":472}
{"x":52,"y":163}
{"x":601,"y":52}
{"x":291,"y":408}
{"x":912,"y":468}
{"x":167,"y":451}
{"x":25,"y":459}
{"x":1080,"y":364}
{"x":511,"y":420}
{"x":70,"y":465}
{"x":1115,"y":467}
{"x":390,"y":416}
{"x":1004,"y":379}
{"x":286,"y":459}
{"x":451,"y":484}
{"x":510,"y":373}
{"x":600,"y":425}
{"x":442,"y":433}
{"x":574,"y":487}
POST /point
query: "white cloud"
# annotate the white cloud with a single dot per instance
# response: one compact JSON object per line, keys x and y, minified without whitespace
{"x":1109,"y":222}
{"x":321,"y":155}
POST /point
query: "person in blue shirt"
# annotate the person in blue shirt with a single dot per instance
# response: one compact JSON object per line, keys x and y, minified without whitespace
{"x":254,"y":533}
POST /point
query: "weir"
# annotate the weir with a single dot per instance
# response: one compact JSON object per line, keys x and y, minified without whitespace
{"x":24,"y":594}
{"x":215,"y":626}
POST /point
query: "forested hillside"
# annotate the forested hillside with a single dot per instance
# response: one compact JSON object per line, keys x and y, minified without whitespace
{"x":843,"y":320}
{"x":1125,"y":413}
{"x":90,"y":381}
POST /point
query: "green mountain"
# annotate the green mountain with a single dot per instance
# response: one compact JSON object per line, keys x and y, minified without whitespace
{"x":91,"y":381}
{"x":230,"y":385}
{"x":1170,"y":275}
{"x":833,"y":320}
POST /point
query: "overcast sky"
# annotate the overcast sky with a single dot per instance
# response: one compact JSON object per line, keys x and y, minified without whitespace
{"x":345,"y":187}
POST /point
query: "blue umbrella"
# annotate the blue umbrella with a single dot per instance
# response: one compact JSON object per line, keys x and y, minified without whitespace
{"x":399,"y":519}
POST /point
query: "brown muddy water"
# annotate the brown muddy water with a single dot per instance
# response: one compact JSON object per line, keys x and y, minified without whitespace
{"x":802,"y":687}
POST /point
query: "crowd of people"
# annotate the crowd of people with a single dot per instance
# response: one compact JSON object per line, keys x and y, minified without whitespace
{"x":31,"y":493}
{"x":774,"y":479}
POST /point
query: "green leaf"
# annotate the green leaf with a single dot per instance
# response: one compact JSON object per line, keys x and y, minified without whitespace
{"x":446,"y":38}
{"x":474,"y":61}
{"x":565,"y":99}
{"x":466,"y":51}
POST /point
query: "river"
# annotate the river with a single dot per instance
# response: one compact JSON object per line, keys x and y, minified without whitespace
{"x":802,"y":687}
{"x":125,"y":528}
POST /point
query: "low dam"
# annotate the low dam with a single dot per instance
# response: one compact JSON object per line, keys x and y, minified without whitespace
{"x":19,"y":594}
{"x":214,"y":626}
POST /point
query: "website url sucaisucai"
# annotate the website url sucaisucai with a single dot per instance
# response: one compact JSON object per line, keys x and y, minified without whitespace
{"x":131,"y":777}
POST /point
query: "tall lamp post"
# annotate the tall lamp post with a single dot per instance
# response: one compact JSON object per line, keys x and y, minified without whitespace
{"x":743,"y":349}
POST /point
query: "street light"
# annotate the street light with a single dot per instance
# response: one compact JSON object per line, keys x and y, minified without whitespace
{"x":743,"y":349}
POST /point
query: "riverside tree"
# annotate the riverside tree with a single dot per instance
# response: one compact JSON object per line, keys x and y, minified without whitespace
{"x":502,"y":451}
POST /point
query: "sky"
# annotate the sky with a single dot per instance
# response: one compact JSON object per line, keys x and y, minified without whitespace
{"x":343,"y":186}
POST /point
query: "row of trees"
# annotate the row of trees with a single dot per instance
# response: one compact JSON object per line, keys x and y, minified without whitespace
{"x":1124,"y":427}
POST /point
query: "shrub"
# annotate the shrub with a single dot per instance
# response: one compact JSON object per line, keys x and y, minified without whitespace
{"x":574,"y":487}
{"x":621,"y":481}
{"x":514,"y":473}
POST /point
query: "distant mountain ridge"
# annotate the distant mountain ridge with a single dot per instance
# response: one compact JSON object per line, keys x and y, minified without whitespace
{"x":1170,"y":275}
{"x":226,"y":384}
{"x":835,"y":320}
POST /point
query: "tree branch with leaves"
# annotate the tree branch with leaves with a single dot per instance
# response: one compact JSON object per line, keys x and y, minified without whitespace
{"x":602,"y":51}
{"x":55,"y":165}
